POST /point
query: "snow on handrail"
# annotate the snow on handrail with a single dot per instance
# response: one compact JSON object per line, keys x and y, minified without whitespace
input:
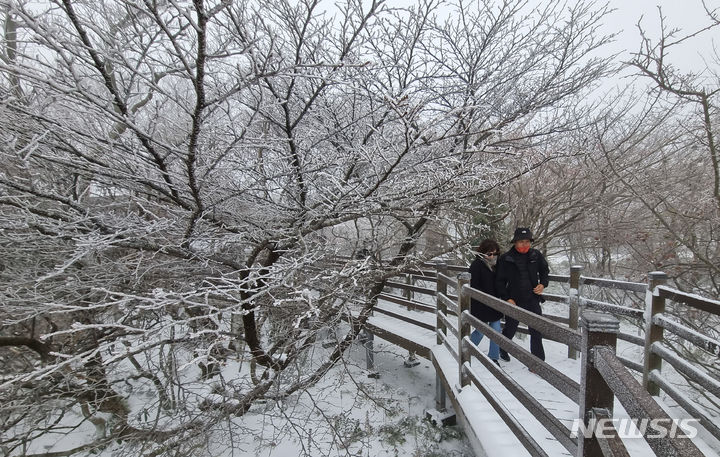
{"x":546,"y":326}
{"x":613,"y":309}
{"x":412,"y":304}
{"x":448,"y":325}
{"x":689,"y":405}
{"x":694,"y":300}
{"x":507,"y":416}
{"x":710,"y":384}
{"x":446,"y":343}
{"x":638,"y":402}
{"x":447,"y":280}
{"x":403,"y":286}
{"x":551,"y":423}
{"x":451,"y":304}
{"x":614,"y":284}
{"x":704,"y":342}
{"x":559,"y":278}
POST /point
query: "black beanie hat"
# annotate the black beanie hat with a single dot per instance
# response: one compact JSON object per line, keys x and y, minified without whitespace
{"x":522,"y":233}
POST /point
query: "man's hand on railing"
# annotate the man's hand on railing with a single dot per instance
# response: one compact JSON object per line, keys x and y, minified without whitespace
{"x":511,"y":301}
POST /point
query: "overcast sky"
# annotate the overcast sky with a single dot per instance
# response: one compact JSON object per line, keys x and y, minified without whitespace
{"x":688,"y":15}
{"x":685,"y":14}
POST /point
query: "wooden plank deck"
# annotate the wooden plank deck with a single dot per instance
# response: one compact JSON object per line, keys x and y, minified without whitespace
{"x":486,"y":431}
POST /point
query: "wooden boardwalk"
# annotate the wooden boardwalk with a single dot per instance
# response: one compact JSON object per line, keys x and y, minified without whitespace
{"x":485,"y":428}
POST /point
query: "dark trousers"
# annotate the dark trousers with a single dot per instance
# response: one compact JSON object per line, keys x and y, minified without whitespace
{"x":511,"y":325}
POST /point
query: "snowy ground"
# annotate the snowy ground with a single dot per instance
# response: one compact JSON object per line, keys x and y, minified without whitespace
{"x":350,"y":414}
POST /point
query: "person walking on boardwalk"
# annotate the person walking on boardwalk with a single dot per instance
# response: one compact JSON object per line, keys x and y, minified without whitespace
{"x":482,"y":277}
{"x":521,"y":278}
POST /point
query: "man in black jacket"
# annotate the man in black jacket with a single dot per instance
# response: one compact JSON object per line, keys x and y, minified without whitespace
{"x":522,"y":275}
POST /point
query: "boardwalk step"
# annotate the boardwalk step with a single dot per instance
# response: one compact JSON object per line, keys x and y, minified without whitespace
{"x":441,"y":418}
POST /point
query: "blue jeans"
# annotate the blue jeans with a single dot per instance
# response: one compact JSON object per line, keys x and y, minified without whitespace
{"x":476,"y":337}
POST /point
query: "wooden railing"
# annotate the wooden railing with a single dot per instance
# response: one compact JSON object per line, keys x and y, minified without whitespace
{"x":591,"y":328}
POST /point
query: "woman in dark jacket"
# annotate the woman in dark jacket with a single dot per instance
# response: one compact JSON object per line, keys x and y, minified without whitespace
{"x":482,"y":273}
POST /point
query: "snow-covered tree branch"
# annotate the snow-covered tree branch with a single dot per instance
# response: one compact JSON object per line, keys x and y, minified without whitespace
{"x":184,"y":182}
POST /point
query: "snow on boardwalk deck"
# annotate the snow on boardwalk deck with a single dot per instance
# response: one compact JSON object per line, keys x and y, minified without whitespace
{"x":486,"y":430}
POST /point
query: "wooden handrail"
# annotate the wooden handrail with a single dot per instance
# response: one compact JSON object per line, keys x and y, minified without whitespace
{"x":542,"y":324}
{"x":613,"y":445}
{"x":446,"y":343}
{"x":415,"y":305}
{"x":405,"y":318}
{"x":448,"y":324}
{"x":553,"y":424}
{"x":710,"y":384}
{"x":613,"y":309}
{"x":552,"y":375}
{"x":447,"y":280}
{"x":637,"y":340}
{"x":448,"y":302}
{"x":703,"y":304}
{"x":556,"y":328}
{"x":556,"y":298}
{"x":516,"y":427}
{"x":638,"y":403}
{"x":686,"y":403}
{"x":630,"y":364}
{"x":614,"y":284}
{"x":423,"y":275}
{"x":559,"y":278}
{"x":403,"y":286}
{"x":704,"y":342}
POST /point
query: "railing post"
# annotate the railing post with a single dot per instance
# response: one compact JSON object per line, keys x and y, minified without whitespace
{"x":654,"y":304}
{"x":407,"y":293}
{"x":575,"y":271}
{"x":598,"y":329}
{"x":441,"y":288}
{"x":411,"y":361}
{"x":440,"y":402}
{"x":463,"y":326}
{"x":367,"y":341}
